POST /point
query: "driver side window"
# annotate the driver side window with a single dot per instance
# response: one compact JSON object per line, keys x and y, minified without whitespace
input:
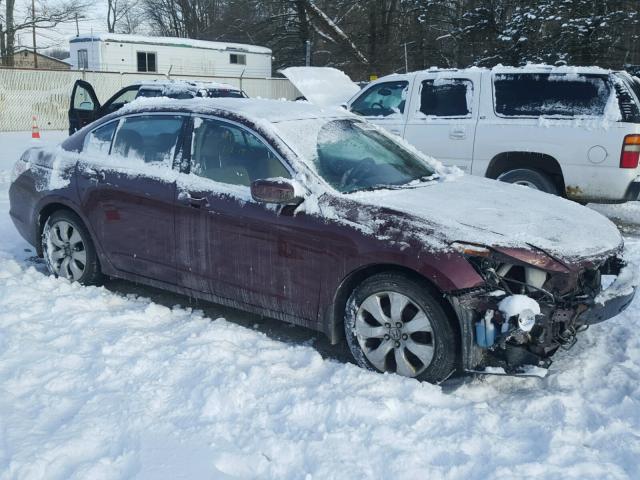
{"x":382,"y":100}
{"x":226,"y":153}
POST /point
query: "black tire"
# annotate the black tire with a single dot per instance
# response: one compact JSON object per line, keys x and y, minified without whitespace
{"x":444,"y":339}
{"x":531,"y":178}
{"x":91,"y":274}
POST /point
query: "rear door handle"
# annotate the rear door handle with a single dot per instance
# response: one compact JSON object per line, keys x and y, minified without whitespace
{"x":198,"y":202}
{"x":395,"y":131}
{"x":458,"y":133}
{"x":93,"y":174}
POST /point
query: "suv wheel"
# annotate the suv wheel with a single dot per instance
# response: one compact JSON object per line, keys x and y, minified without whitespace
{"x":393,"y":324}
{"x":68,"y":250}
{"x":530,"y":178}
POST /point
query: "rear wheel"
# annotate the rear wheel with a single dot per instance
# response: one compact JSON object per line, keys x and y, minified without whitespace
{"x":530,"y":178}
{"x":394,"y":324}
{"x":68,"y":250}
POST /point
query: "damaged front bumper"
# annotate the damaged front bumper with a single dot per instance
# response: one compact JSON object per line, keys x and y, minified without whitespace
{"x":494,"y":344}
{"x":615,"y":298}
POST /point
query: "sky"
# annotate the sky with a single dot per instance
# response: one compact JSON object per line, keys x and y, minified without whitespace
{"x":95,"y":19}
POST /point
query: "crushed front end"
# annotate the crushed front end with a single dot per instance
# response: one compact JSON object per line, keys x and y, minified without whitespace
{"x":531,"y":305}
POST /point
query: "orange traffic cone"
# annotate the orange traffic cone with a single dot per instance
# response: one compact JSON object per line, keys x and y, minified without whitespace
{"x":35,"y":131}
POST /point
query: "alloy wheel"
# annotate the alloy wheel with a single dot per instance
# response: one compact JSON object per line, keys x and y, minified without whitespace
{"x":395,"y":334}
{"x":64,"y":250}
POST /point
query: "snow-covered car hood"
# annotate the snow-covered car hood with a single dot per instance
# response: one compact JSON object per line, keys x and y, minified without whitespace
{"x":322,"y":86}
{"x":492,"y":213}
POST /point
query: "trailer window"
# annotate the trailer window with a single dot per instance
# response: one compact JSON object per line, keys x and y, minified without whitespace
{"x":147,"y":62}
{"x":237,"y":59}
{"x":83,"y":59}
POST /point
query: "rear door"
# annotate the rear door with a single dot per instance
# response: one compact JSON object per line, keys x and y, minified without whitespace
{"x":83,"y":106}
{"x":443,"y":116}
{"x":127,"y":190}
{"x":385,"y":104}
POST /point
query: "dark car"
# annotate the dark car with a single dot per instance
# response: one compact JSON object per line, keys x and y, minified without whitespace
{"x":85,"y":108}
{"x":315,"y":217}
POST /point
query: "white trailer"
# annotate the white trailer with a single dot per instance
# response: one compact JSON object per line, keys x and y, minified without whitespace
{"x":181,"y":56}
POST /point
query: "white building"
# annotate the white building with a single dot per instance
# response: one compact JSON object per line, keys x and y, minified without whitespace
{"x":181,"y":56}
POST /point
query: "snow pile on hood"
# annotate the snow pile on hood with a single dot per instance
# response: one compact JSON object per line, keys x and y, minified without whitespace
{"x":322,"y":86}
{"x":493,"y":213}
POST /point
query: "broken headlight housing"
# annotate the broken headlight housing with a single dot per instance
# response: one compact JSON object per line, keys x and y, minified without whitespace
{"x":515,"y":275}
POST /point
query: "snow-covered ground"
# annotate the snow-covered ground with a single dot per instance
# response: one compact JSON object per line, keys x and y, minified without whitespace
{"x":100,"y":383}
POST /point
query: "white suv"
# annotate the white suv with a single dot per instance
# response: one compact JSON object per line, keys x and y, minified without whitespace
{"x":571,"y":131}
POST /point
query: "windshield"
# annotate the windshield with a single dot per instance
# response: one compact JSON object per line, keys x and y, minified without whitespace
{"x":351,"y":155}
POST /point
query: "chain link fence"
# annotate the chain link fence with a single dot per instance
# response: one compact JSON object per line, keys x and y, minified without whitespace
{"x":46,"y":93}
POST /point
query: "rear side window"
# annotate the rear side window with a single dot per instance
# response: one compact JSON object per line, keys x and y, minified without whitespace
{"x":99,"y":140}
{"x":446,"y":98}
{"x":382,"y":100}
{"x":150,"y":138}
{"x":534,"y":95}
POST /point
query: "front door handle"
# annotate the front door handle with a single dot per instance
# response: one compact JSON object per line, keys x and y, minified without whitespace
{"x":195,"y":202}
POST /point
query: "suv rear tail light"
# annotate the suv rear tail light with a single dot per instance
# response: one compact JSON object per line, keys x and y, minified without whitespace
{"x":630,"y":152}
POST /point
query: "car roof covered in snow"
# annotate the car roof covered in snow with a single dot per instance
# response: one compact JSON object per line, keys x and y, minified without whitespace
{"x":186,"y":85}
{"x":502,"y":69}
{"x":255,"y":109}
{"x":170,"y":41}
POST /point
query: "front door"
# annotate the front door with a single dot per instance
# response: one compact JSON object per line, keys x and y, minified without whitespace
{"x":229,"y":245}
{"x":443,"y":115}
{"x":83,"y":106}
{"x":127,"y":189}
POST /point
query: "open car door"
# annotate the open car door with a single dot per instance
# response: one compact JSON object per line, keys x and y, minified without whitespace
{"x":322,"y":86}
{"x":83,"y":107}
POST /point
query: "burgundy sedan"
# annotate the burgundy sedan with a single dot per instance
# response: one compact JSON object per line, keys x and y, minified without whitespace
{"x":317,"y":218}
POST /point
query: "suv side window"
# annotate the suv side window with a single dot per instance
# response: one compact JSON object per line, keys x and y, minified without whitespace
{"x":226,"y":153}
{"x":535,"y":94}
{"x":98,"y":141}
{"x":382,"y":100}
{"x":148,"y":138}
{"x":446,"y":98}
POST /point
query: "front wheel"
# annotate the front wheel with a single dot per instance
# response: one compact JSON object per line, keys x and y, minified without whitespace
{"x":393,"y":324}
{"x":530,"y":178}
{"x":68,"y":250}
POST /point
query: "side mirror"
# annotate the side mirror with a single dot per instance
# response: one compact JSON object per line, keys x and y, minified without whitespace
{"x":280,"y":191}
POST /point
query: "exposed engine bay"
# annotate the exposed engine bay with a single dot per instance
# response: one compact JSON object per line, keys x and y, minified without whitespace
{"x":531,"y":306}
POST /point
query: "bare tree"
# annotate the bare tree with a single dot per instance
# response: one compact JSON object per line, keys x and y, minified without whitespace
{"x":46,"y":16}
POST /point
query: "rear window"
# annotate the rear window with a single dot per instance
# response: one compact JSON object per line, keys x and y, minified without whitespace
{"x":534,"y":95}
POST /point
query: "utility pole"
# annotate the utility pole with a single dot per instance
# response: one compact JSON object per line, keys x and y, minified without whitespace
{"x":406,"y":58}
{"x":77,"y":28}
{"x":307,"y":57}
{"x":33,"y":31}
